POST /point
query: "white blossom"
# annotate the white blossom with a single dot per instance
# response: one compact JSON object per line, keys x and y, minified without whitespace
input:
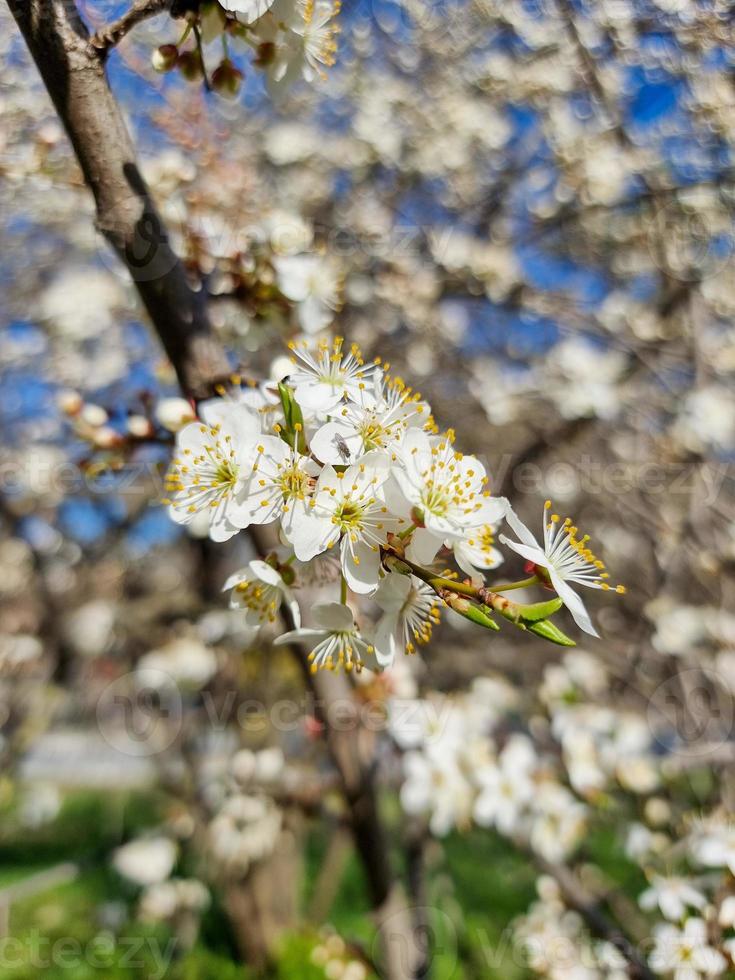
{"x":314,"y":285}
{"x":146,"y":861}
{"x":335,"y":641}
{"x":350,"y":508}
{"x":209,"y":469}
{"x":410,"y":611}
{"x":446,"y":489}
{"x":382,"y":412}
{"x":259,"y":589}
{"x":565,"y":557}
{"x":673,"y":896}
{"x":686,"y":953}
{"x":322,"y":377}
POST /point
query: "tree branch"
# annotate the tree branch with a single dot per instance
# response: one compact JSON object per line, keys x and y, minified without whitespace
{"x":74,"y":75}
{"x":73,"y":72}
{"x":110,"y":35}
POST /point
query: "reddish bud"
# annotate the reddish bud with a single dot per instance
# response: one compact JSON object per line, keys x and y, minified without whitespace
{"x":227,"y":79}
{"x":190,"y":65}
{"x":266,"y":54}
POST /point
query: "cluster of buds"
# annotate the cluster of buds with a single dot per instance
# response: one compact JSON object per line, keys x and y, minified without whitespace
{"x":289,"y":38}
{"x":91,"y":421}
{"x":113,"y":439}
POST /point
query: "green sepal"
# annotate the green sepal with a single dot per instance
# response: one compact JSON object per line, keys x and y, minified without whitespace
{"x":531,"y":613}
{"x":293,"y":417}
{"x":548,"y":631}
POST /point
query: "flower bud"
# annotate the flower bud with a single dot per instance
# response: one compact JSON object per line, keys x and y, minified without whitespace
{"x":190,"y":65}
{"x":139,"y":426}
{"x":266,"y":54}
{"x":227,"y":79}
{"x":70,"y":402}
{"x":106,"y":438}
{"x":164,"y":58}
{"x":93,"y":415}
{"x":173,"y":414}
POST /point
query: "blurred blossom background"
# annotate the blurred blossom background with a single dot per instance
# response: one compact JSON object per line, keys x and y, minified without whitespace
{"x":527,"y":208}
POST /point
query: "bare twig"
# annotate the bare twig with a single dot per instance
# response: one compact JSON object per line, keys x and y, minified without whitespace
{"x":111,"y":34}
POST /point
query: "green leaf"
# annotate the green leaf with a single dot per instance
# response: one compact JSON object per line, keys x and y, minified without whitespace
{"x":478,"y":615}
{"x":549,"y":631}
{"x":539,"y":610}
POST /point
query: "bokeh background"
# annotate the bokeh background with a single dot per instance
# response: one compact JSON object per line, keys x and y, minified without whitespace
{"x":527,"y":207}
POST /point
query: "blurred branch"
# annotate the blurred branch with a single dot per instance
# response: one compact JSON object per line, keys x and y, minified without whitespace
{"x":330,"y":875}
{"x":107,"y":37}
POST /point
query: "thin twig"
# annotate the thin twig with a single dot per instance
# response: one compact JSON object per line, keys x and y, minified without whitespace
{"x":107,"y":37}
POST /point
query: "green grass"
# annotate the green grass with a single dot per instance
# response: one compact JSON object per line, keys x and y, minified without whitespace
{"x":477,"y":885}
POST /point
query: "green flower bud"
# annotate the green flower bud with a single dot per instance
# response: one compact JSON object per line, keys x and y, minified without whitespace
{"x":227,"y":79}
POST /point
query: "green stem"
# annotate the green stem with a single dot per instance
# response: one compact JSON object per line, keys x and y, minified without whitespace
{"x":436,"y":581}
{"x":343,"y":590}
{"x":533,"y":617}
{"x":523,"y":584}
{"x":200,"y":49}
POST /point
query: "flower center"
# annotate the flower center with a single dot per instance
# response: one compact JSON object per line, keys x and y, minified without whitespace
{"x":349,"y":515}
{"x":293,"y":481}
{"x":373,"y":434}
{"x":225,"y":474}
{"x":435,"y":499}
{"x":259,"y":597}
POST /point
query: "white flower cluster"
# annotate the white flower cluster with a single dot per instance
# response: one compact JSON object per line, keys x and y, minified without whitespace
{"x":342,"y":456}
{"x":245,"y":831}
{"x":457,"y":772}
{"x":166,"y":901}
{"x":292,"y":39}
{"x":600,"y":743}
{"x":558,"y":946}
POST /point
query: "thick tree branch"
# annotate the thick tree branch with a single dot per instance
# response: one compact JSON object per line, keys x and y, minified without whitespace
{"x":110,"y":35}
{"x":73,"y":72}
{"x":74,"y":75}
